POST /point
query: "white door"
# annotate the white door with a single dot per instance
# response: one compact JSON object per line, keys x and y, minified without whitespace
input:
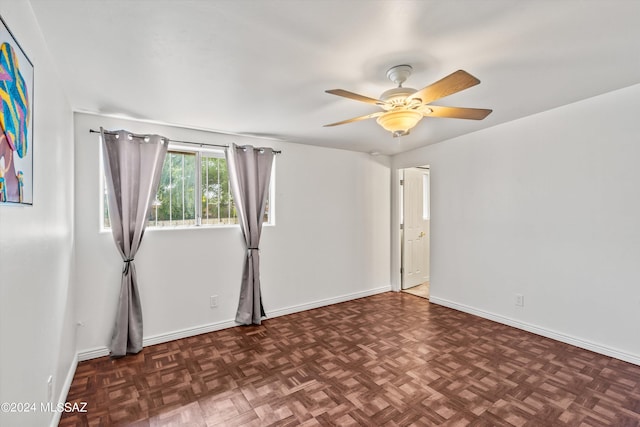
{"x":415,"y":235}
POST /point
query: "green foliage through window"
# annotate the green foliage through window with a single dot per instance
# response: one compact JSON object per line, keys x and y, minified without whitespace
{"x":217,"y":203}
{"x":175,"y":202}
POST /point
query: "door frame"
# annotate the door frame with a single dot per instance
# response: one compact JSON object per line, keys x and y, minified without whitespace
{"x":402,"y":230}
{"x":397,"y":174}
{"x":415,"y":171}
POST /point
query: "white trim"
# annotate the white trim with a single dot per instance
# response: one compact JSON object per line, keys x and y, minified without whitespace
{"x":64,"y":392}
{"x":92,"y":353}
{"x":567,"y":339}
{"x":328,"y":301}
{"x":188,"y":332}
{"x":203,"y":329}
{"x":161,"y":338}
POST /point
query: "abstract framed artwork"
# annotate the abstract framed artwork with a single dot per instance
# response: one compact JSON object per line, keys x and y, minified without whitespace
{"x":16,"y":121}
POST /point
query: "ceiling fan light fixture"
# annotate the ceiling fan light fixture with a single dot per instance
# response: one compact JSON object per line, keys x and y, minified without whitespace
{"x":399,"y":122}
{"x":405,"y":107}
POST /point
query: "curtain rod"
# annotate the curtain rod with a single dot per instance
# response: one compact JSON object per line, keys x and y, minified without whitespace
{"x":182,"y":142}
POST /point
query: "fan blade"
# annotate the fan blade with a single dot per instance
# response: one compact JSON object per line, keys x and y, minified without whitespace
{"x":355,"y":96}
{"x":356,"y":119}
{"x":456,"y":112}
{"x":454,"y":82}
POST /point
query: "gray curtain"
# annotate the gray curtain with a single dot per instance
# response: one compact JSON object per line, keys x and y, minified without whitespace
{"x":249,"y":174}
{"x":132,"y":166}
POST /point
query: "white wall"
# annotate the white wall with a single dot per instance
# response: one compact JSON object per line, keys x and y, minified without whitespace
{"x":549,"y":207}
{"x":330,"y":242}
{"x":37,"y":335}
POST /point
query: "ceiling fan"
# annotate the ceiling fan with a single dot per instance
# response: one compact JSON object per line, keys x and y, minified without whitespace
{"x":404,"y":107}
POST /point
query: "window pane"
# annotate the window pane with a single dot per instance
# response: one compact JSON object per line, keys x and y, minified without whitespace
{"x":105,"y":209}
{"x":217,"y":202}
{"x":175,"y":201}
{"x":265,"y":219}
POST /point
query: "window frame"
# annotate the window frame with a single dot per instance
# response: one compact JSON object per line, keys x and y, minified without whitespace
{"x":200,"y":151}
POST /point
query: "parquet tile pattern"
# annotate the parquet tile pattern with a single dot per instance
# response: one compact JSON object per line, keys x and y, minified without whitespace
{"x":392,"y":359}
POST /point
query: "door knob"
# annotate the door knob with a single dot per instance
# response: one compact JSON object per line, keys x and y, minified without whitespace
{"x":422,"y":234}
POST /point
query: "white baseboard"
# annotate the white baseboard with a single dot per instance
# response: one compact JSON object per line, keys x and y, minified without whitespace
{"x":188,"y":332}
{"x":203,"y":329}
{"x":161,"y":338}
{"x":567,"y":339}
{"x":64,"y":392}
{"x":321,"y":303}
{"x":92,"y":353}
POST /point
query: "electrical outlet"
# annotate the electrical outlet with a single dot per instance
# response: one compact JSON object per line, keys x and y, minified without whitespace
{"x":520,"y":300}
{"x":50,"y":388}
{"x":213,"y":301}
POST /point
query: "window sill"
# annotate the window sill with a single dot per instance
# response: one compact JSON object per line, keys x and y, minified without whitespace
{"x":186,"y":227}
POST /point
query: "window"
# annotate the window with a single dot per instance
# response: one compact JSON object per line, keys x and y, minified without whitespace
{"x":194,"y":190}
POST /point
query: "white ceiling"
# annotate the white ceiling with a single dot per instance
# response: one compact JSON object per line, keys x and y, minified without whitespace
{"x":260,"y":67}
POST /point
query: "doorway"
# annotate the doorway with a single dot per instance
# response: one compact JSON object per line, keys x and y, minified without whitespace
{"x":415,"y":231}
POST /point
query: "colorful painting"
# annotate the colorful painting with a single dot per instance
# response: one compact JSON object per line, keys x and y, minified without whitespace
{"x":16,"y":121}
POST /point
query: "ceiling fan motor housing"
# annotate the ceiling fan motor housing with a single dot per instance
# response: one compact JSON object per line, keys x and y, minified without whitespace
{"x":396,"y":96}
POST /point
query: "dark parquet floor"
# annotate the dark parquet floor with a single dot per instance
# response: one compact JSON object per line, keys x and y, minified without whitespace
{"x":392,"y":359}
